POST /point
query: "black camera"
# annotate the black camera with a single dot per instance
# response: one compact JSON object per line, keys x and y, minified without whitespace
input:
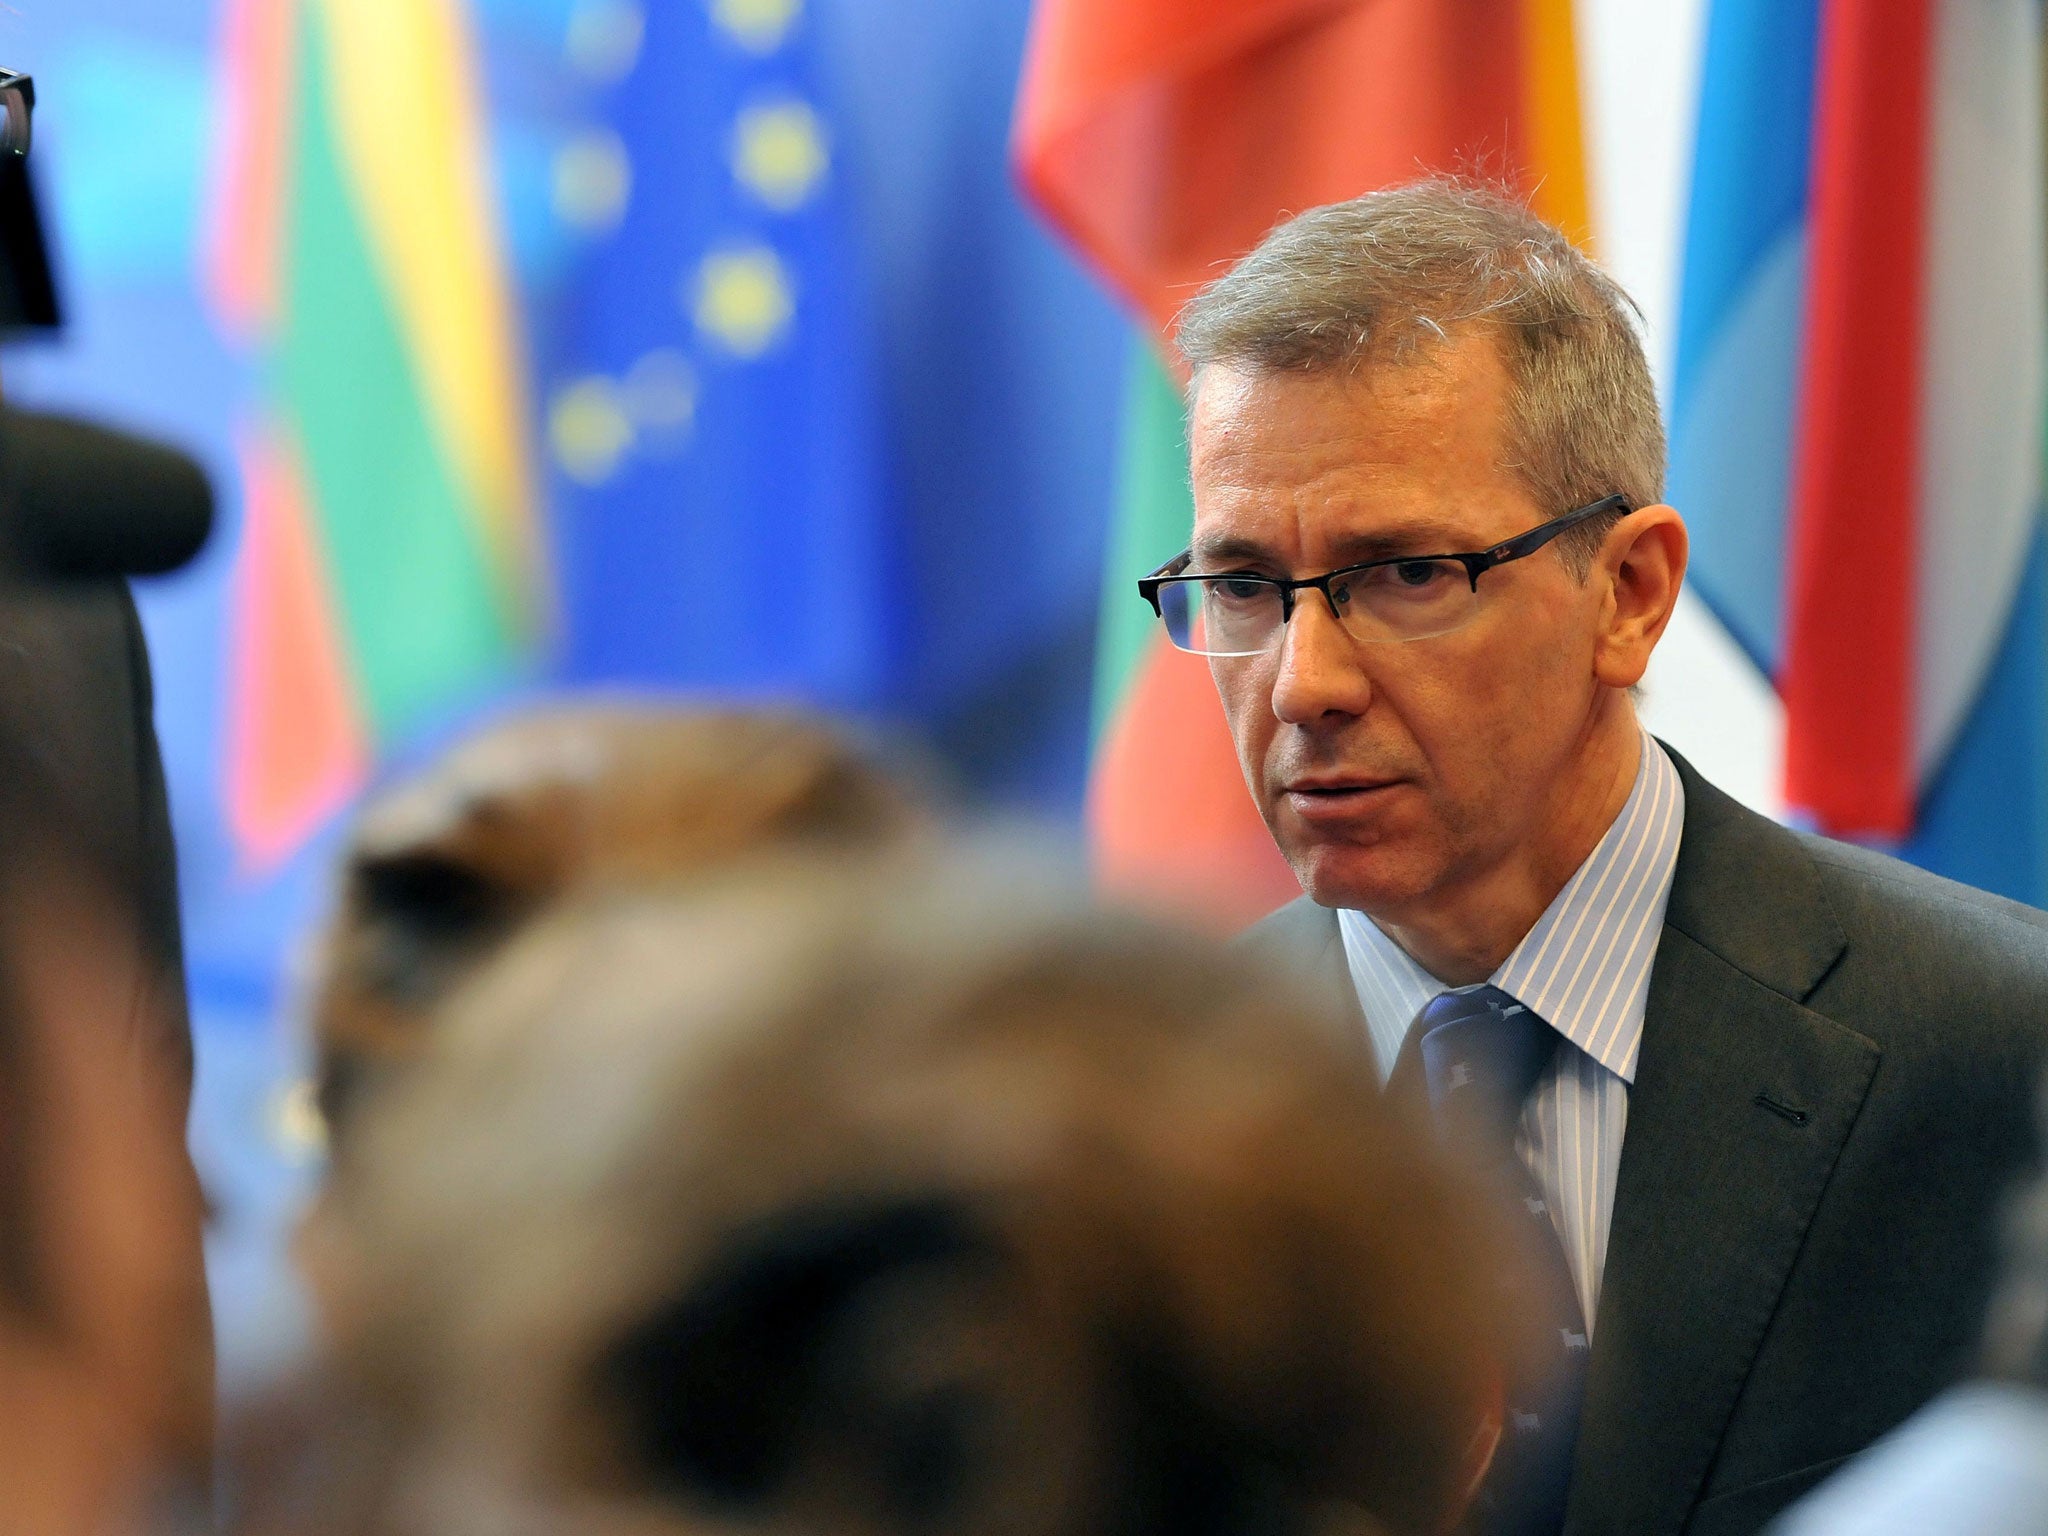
{"x":75,"y":499}
{"x":28,"y":293}
{"x":17,"y":112}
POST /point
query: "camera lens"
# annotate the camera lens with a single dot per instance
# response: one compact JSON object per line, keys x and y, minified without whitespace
{"x":18,"y":93}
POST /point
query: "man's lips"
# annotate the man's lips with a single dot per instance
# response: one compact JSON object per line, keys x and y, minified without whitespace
{"x":1316,"y":799}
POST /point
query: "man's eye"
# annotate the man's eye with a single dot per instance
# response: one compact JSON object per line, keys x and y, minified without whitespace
{"x":1409,"y":581}
{"x":1242,"y":590}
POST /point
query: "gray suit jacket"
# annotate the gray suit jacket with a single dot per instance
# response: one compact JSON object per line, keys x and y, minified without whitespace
{"x":1836,"y":1085}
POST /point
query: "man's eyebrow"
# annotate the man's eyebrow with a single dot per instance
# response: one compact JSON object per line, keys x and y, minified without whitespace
{"x":1423,"y":536}
{"x":1222,"y":548}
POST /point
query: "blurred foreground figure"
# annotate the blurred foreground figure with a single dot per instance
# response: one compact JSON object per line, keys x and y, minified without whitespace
{"x":84,"y":800}
{"x":445,"y":868}
{"x":831,"y":1198}
{"x":105,"y":1383}
{"x":104,"y":1393}
{"x":106,"y":1344}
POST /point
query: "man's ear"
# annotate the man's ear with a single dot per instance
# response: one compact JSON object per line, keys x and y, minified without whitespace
{"x":1641,"y":566}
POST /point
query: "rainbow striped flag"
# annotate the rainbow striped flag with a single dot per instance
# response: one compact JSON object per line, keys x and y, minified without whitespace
{"x":389,"y":564}
{"x":1163,"y":138}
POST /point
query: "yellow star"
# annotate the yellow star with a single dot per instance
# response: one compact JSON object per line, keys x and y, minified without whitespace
{"x":593,"y":181}
{"x":589,"y":430}
{"x":778,"y":153}
{"x":604,"y":38}
{"x":759,"y":26}
{"x":659,"y":394}
{"x":743,"y":299}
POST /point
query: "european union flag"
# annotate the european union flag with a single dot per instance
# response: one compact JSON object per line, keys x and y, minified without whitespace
{"x":723,"y":514}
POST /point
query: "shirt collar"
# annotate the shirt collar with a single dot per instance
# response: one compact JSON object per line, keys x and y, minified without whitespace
{"x":1584,"y":968}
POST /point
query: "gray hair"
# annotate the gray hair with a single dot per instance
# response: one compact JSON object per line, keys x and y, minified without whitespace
{"x":1382,"y":278}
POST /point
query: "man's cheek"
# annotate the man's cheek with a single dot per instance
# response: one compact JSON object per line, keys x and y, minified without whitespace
{"x":1246,"y":698}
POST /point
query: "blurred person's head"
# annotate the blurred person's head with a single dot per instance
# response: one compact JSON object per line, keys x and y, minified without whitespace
{"x":840,"y":1198}
{"x":1427,"y":371}
{"x":445,"y":867}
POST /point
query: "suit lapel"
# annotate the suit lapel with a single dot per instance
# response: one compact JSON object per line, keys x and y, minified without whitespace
{"x":1742,"y":1101}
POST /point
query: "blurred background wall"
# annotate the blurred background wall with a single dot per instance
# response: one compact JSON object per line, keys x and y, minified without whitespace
{"x":744,"y":368}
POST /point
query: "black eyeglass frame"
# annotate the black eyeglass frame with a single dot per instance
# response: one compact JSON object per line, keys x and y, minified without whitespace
{"x":1476,"y":562}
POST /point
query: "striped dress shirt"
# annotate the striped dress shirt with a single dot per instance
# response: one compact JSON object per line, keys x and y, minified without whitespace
{"x":1585,"y":970}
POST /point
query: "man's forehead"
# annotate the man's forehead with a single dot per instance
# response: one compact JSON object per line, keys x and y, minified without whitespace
{"x":1447,"y":410}
{"x":1466,"y":360}
{"x":1384,"y":462}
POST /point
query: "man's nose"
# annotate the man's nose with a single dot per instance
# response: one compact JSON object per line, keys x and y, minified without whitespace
{"x":1320,"y":670}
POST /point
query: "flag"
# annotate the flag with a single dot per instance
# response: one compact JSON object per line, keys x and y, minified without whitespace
{"x":1164,"y":138}
{"x":388,"y":564}
{"x":724,"y":516}
{"x":1857,"y":411}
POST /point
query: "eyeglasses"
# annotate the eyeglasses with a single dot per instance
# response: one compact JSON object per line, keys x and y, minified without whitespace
{"x":17,"y":109}
{"x":1403,"y":597}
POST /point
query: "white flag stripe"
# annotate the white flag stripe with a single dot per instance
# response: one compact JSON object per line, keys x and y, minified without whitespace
{"x":1986,"y":346}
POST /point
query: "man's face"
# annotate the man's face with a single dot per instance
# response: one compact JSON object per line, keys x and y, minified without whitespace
{"x":1392,"y":773}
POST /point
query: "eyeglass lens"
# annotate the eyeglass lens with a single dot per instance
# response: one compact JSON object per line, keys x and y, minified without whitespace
{"x":1242,"y":615}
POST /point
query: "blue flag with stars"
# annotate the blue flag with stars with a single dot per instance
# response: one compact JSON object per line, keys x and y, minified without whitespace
{"x":722,"y":510}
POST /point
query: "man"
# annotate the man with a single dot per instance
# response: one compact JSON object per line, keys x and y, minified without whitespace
{"x":1770,"y":1087}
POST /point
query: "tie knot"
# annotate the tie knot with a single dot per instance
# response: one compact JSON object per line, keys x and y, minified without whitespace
{"x":1481,"y":1054}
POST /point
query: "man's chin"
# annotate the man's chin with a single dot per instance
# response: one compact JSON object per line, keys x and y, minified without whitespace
{"x":1375,"y":879}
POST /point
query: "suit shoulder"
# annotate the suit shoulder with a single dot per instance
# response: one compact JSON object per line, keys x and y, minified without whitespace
{"x":1856,"y":933}
{"x":1862,"y":883}
{"x":1963,"y":959}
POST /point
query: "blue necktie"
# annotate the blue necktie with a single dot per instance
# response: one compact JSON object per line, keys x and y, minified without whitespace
{"x":1481,"y":1052}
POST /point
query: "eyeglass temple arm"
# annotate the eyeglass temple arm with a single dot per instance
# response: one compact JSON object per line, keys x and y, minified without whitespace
{"x":1528,"y":543}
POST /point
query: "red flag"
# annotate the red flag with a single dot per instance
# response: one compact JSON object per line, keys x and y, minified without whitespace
{"x":1848,"y":674}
